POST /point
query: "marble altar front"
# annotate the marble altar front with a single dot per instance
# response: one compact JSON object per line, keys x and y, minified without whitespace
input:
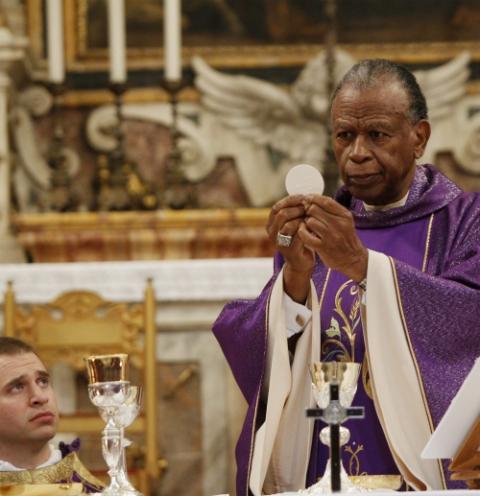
{"x":158,"y":235}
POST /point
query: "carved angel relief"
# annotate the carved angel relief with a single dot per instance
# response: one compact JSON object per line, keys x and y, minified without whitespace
{"x":283,"y":128}
{"x":293,"y":123}
{"x":265,"y":128}
{"x":32,"y":176}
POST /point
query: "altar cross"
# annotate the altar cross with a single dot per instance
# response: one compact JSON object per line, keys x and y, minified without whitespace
{"x":334,"y":415}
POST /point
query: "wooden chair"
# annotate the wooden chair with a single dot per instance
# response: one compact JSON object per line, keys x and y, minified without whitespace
{"x":81,"y":323}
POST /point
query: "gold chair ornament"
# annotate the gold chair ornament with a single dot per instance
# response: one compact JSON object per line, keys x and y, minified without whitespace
{"x":79,"y":324}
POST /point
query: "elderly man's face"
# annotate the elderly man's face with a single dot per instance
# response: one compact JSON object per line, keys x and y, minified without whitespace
{"x":375,"y":144}
{"x":28,"y":408}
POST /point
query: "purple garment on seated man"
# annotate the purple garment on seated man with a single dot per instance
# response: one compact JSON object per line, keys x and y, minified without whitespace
{"x":434,"y":241}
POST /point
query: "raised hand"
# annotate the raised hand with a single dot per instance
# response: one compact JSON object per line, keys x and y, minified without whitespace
{"x":329,"y":230}
{"x":286,"y":218}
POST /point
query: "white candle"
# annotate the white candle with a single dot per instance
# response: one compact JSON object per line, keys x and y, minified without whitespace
{"x":56,"y":64}
{"x":116,"y":38}
{"x":172,"y":40}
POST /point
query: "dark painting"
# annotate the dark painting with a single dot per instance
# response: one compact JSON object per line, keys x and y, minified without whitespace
{"x":257,"y":22}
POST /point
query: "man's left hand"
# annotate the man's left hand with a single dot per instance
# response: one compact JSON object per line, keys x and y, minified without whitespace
{"x":330,"y":231}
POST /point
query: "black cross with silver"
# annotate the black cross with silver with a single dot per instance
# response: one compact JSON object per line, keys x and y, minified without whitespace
{"x":334,"y":415}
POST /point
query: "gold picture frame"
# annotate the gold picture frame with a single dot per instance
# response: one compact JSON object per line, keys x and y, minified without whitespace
{"x":85,"y":22}
{"x":83,"y":56}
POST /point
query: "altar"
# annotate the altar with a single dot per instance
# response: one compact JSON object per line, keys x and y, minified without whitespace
{"x":190,"y":295}
{"x":455,"y":492}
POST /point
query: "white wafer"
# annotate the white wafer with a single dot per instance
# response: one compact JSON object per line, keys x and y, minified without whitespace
{"x":304,"y":179}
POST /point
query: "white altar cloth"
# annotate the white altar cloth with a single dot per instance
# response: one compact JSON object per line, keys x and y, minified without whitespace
{"x":464,"y":492}
{"x":174,"y":280}
{"x":452,"y":492}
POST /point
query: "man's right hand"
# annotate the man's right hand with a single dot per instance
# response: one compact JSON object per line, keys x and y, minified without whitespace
{"x":286,"y":216}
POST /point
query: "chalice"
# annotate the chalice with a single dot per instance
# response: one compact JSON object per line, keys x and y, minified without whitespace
{"x":108,"y":390}
{"x":126,"y":414}
{"x":329,"y":378}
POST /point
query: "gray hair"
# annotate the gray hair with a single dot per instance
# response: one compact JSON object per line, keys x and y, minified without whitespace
{"x":369,"y":73}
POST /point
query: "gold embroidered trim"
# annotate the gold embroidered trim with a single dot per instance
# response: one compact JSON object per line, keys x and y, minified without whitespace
{"x":354,"y":461}
{"x":414,"y":359}
{"x":372,"y":482}
{"x":61,"y":471}
{"x":70,"y":489}
{"x":366,"y":377}
{"x":427,"y":243}
{"x":84,"y":473}
{"x":349,"y":330}
{"x":58,"y":471}
{"x":324,"y":289}
{"x":348,"y":323}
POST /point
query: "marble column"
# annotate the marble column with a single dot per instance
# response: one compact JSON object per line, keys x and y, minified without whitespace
{"x":11,"y":50}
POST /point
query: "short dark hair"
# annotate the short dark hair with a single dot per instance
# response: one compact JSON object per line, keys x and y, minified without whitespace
{"x":369,"y":73}
{"x":13,"y":346}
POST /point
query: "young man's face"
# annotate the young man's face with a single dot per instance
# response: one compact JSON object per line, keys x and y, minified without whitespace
{"x":28,"y":407}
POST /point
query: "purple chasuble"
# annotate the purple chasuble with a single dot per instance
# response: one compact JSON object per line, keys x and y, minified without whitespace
{"x":434,"y":242}
{"x":367,"y":451}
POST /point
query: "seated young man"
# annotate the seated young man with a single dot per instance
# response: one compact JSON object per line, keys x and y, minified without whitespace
{"x":28,"y":422}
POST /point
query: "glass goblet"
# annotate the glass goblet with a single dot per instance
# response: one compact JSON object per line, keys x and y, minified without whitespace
{"x":112,"y":451}
{"x":108,"y":397}
{"x":127,"y":413}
